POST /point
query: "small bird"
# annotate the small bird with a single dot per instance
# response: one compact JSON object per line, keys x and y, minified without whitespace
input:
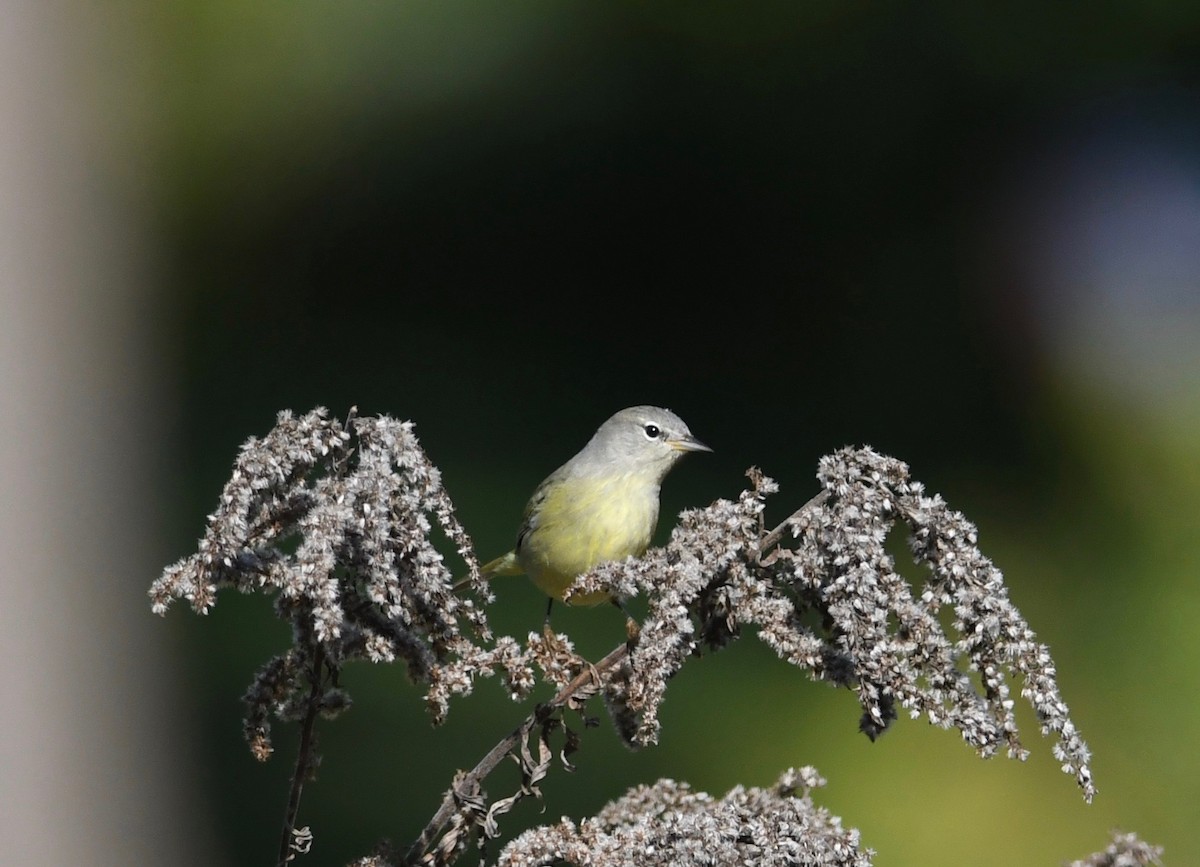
{"x":601,"y":505}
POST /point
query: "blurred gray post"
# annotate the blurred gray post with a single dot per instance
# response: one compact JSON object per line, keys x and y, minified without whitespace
{"x":93,"y":754}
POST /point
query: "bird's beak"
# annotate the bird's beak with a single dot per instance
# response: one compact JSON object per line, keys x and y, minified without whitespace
{"x":688,"y":444}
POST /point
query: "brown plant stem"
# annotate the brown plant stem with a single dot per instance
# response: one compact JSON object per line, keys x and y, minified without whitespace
{"x":773,"y":538}
{"x":303,"y":758}
{"x":497,"y":753}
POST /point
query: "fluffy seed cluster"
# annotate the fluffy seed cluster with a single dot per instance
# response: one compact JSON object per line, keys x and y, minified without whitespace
{"x":892,"y":636}
{"x":1125,"y":850}
{"x":337,"y":520}
{"x":831,"y":600}
{"x":669,"y":824}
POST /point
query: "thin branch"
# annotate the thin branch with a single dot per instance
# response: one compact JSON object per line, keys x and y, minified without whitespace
{"x":770,"y":540}
{"x":497,"y":753}
{"x":303,"y":758}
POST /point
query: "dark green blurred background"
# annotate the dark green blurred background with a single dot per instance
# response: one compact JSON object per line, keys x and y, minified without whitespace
{"x":965,"y":236}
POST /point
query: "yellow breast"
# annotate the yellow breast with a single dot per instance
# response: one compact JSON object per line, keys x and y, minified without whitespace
{"x":583,"y":522}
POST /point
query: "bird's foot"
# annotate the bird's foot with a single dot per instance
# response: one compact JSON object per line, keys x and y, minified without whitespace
{"x":633,"y":631}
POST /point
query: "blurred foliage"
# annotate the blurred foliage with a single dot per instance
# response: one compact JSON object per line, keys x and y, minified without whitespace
{"x":506,"y":222}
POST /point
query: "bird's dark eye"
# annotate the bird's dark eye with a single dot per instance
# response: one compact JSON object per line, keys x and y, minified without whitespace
{"x":653,"y":431}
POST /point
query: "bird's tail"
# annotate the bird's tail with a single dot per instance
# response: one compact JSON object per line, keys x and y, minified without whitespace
{"x":504,"y":565}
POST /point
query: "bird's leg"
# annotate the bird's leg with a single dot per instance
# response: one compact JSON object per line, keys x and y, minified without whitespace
{"x":546,"y":622}
{"x":632,"y":628}
{"x":549,"y":634}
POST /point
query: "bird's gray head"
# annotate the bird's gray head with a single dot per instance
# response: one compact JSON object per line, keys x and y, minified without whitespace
{"x":640,"y":439}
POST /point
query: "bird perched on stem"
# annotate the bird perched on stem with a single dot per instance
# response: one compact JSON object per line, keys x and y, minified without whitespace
{"x":601,"y":505}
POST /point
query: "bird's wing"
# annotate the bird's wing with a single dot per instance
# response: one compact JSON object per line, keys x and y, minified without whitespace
{"x":531,"y":518}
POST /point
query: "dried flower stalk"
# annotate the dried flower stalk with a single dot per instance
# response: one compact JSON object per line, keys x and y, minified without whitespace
{"x":337,"y":520}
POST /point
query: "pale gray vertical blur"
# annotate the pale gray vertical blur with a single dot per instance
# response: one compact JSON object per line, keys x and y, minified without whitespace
{"x":93,"y":765}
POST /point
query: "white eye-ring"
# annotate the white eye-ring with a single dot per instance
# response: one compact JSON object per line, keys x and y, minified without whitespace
{"x":652,"y":431}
